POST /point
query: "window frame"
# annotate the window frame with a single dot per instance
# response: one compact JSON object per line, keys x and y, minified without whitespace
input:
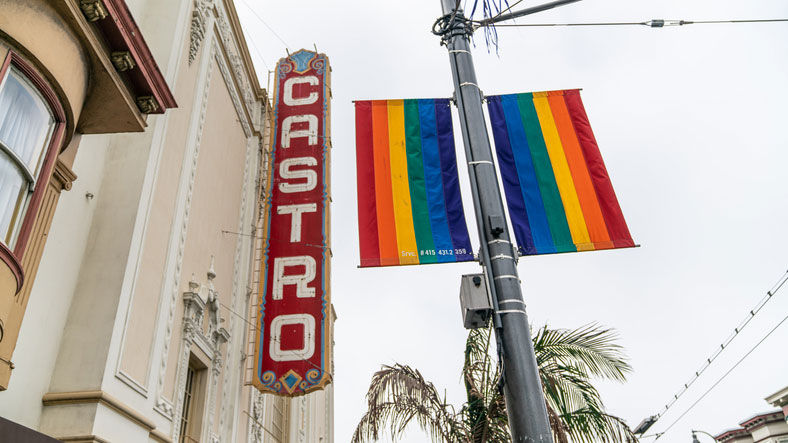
{"x":13,"y":258}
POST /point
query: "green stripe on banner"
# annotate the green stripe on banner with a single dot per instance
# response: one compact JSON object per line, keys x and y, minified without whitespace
{"x":418,"y":191}
{"x":556,"y":216}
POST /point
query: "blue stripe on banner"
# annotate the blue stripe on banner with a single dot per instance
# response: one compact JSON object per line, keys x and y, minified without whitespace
{"x":451,"y":185}
{"x":540,"y":229}
{"x":511,"y":182}
{"x":433,"y":181}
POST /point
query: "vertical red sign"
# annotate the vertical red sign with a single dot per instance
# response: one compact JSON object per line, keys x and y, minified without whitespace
{"x":293,"y":340}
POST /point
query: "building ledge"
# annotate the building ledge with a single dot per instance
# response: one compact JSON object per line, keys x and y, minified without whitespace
{"x":124,"y":36}
{"x":79,"y":397}
{"x":762,"y":417}
{"x":779,"y":398}
{"x":125,"y":81}
{"x":730,"y":434}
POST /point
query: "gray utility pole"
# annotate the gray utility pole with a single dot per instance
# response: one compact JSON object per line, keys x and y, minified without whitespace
{"x":525,"y":404}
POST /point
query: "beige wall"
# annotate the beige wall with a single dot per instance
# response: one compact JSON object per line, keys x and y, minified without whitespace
{"x":137,"y":348}
{"x":215,"y":204}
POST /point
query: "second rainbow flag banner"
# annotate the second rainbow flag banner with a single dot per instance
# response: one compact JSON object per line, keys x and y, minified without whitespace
{"x":557,"y":187}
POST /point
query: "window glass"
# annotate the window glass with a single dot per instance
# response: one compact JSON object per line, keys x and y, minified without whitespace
{"x":26,"y":125}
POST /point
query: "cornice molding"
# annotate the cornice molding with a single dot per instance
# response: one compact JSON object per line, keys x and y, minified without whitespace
{"x":198,"y":27}
{"x":159,"y":437}
{"x":83,"y":439}
{"x":123,"y":35}
{"x":243,"y":48}
{"x":63,"y":177}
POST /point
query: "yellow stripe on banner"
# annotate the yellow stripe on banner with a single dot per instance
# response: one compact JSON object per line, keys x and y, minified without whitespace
{"x":563,"y":177}
{"x":403,"y":216}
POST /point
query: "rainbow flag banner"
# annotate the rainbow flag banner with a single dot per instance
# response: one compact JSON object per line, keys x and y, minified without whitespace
{"x":557,"y":188}
{"x":409,"y":206}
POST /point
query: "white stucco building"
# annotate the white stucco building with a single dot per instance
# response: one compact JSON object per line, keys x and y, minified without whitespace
{"x":135,"y":327}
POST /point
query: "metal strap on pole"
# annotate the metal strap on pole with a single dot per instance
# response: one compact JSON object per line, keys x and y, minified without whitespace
{"x":512,"y":311}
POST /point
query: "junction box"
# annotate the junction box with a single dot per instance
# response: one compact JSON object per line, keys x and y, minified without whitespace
{"x":475,"y":301}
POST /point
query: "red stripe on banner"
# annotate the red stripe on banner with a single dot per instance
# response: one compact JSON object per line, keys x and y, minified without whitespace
{"x":614,"y":218}
{"x":365,"y":173}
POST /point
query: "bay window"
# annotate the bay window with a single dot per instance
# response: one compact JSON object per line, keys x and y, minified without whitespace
{"x":26,"y":128}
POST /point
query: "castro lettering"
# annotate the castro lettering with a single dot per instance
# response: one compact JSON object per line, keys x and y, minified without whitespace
{"x":292,"y":354}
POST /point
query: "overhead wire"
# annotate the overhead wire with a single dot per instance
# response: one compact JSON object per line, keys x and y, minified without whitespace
{"x":260,"y":54}
{"x":724,"y":345}
{"x":655,"y":23}
{"x":266,"y":24}
{"x":659,"y":435}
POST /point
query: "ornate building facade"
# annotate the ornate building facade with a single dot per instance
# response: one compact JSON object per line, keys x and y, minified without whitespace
{"x":131,"y":208}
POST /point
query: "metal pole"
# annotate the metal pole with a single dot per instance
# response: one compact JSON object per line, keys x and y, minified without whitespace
{"x":525,"y":405}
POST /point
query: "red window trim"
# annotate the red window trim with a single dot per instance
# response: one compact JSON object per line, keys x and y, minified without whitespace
{"x":14,"y":258}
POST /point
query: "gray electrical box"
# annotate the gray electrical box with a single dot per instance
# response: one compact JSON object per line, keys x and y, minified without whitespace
{"x":475,"y":301}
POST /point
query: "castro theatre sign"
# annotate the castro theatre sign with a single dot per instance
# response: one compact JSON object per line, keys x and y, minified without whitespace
{"x":293,"y":341}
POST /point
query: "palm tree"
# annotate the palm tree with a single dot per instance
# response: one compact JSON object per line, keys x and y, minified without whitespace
{"x":568,"y":359}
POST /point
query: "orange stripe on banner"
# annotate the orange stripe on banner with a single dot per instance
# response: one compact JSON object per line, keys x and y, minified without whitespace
{"x":595,"y":221}
{"x":387,"y":231}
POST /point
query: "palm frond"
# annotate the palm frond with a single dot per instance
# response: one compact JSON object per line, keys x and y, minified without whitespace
{"x":591,"y":349}
{"x":484,"y":409}
{"x":568,"y":361}
{"x":567,"y":389}
{"x":399,"y":395}
{"x":594,"y":426}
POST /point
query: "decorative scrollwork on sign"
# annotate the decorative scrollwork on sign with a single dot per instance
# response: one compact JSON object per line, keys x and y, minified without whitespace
{"x":285,"y":68}
{"x":318,"y":64}
{"x":313,"y":376}
{"x":268,"y":378}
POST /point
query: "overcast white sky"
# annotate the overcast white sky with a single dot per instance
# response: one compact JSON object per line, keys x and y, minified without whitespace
{"x":692,"y":124}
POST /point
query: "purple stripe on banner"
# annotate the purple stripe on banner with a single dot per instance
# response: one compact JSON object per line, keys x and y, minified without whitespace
{"x":441,"y":234}
{"x":511,"y":182}
{"x":451,"y":185}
